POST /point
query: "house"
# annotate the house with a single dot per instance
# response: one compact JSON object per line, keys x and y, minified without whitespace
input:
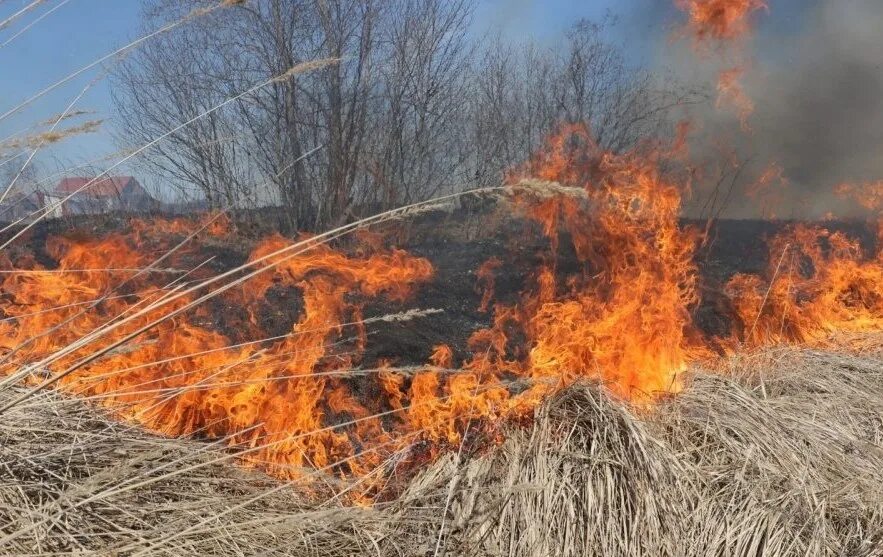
{"x":21,"y":207}
{"x":112,"y":193}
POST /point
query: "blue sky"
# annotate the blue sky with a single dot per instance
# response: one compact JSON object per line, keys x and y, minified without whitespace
{"x":77,"y":33}
{"x":81,"y":31}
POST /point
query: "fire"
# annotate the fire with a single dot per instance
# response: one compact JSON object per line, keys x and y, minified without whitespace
{"x":818,"y":282}
{"x":185,"y":377}
{"x":624,"y":318}
{"x":486,"y":276}
{"x":720,"y":24}
{"x":303,"y":401}
{"x":719,"y":20}
{"x":731,"y":93}
{"x":868,"y":194}
{"x":768,"y":190}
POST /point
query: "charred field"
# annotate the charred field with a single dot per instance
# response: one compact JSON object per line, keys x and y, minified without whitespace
{"x":774,"y":450}
{"x":441,"y":277}
{"x":456,"y":242}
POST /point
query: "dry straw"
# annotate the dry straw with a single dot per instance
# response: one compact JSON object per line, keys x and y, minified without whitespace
{"x":735,"y":465}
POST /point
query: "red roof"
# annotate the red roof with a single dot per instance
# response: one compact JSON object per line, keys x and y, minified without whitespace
{"x":111,"y":186}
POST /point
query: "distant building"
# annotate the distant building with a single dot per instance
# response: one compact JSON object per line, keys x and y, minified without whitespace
{"x":114,"y":193}
{"x":22,"y":207}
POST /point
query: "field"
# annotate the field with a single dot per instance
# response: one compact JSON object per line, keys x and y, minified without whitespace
{"x":771,"y":451}
{"x":778,"y":453}
{"x":441,"y":278}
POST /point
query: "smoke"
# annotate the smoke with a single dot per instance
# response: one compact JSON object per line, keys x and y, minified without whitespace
{"x":814,"y":72}
{"x":820,"y":110}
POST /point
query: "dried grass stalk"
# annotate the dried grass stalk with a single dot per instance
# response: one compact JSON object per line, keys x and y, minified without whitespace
{"x":779,"y":454}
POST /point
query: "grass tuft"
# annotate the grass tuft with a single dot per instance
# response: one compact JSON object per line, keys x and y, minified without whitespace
{"x":778,"y":454}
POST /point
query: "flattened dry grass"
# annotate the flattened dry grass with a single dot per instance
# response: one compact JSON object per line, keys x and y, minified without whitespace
{"x":778,"y":454}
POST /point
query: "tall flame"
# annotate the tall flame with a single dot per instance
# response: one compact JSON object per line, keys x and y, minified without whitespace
{"x":624,"y":316}
{"x":297,"y":400}
{"x":818,"y":282}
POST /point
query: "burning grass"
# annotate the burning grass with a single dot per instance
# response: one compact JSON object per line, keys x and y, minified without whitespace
{"x":580,"y":421}
{"x":145,"y":325}
{"x":780,"y":455}
{"x":504,"y":449}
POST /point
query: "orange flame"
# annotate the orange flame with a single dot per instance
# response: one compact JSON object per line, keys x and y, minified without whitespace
{"x":296,"y":402}
{"x":867,"y":194}
{"x":818,"y":282}
{"x":719,"y":20}
{"x":486,"y":275}
{"x":768,"y":190}
{"x":723,"y":22}
{"x":183,"y":376}
{"x":624,"y":318}
{"x":731,"y":93}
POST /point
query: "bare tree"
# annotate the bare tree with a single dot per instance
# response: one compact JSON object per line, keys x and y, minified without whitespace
{"x":423,"y":83}
{"x":401,"y":63}
{"x":169,"y":82}
{"x":523,"y":94}
{"x":416,"y":106}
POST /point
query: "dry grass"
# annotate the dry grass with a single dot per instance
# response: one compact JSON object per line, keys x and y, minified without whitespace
{"x":50,"y":136}
{"x":779,"y":455}
{"x":790,"y":464}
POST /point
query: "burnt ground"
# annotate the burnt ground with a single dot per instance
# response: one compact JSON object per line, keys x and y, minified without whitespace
{"x":735,"y":246}
{"x":456,"y":244}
